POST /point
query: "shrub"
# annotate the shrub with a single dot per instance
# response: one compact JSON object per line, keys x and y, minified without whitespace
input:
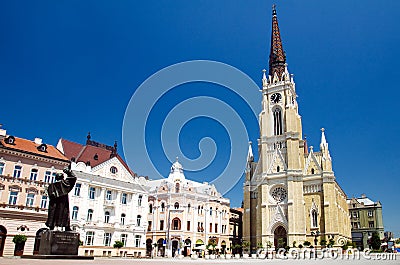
{"x":118,"y":244}
{"x":307,"y":243}
{"x":18,"y":239}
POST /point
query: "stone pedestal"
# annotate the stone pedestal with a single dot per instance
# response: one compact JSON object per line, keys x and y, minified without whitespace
{"x":59,"y":243}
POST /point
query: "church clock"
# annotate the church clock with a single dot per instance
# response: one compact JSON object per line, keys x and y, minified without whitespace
{"x":276,"y":97}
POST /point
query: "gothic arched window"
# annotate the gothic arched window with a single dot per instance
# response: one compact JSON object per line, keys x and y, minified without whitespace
{"x":314,"y":218}
{"x":277,"y":121}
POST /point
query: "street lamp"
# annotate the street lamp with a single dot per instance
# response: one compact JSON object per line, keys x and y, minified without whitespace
{"x":316,"y":234}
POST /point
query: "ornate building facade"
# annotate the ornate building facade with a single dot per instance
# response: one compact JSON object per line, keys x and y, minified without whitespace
{"x":109,"y":202}
{"x":290,"y":194}
{"x":26,"y":168}
{"x":185,"y":216}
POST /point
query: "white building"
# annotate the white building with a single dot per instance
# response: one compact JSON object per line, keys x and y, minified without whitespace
{"x":185,"y":216}
{"x":108,"y":203}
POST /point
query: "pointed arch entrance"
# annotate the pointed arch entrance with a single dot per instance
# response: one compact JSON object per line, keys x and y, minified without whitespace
{"x":280,"y":237}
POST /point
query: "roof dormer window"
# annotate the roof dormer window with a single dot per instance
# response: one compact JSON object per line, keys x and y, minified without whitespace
{"x":10,"y":140}
{"x":96,"y":157}
{"x":42,"y":148}
{"x":113,"y":170}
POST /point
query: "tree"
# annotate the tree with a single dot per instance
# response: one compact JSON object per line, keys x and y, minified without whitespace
{"x":307,"y":243}
{"x":246,"y":246}
{"x":375,"y":241}
{"x":118,"y":245}
{"x":331,"y":243}
{"x":323,"y":242}
{"x":294,"y":244}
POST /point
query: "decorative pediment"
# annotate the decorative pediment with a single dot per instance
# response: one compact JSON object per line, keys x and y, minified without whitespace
{"x":278,"y":163}
{"x":32,"y":190}
{"x":312,"y":166}
{"x":113,"y":168}
{"x":15,"y":188}
{"x":278,"y":218}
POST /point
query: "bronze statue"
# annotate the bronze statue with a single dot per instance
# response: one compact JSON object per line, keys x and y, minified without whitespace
{"x":58,"y":215}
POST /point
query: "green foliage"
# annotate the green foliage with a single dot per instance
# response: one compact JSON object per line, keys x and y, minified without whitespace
{"x":118,"y":244}
{"x":294,"y":244}
{"x":246,"y":245}
{"x":331,"y":243}
{"x":260,"y":245}
{"x":269,"y":244}
{"x":397,"y":241}
{"x":281,"y":243}
{"x":80,"y":243}
{"x":375,"y":241}
{"x":300,"y":246}
{"x":323,"y":242}
{"x":18,"y":239}
{"x":307,"y":243}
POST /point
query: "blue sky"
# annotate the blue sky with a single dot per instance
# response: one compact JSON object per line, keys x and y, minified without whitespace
{"x":69,"y":67}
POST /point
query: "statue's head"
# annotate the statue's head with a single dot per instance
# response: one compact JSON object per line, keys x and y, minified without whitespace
{"x":59,"y":176}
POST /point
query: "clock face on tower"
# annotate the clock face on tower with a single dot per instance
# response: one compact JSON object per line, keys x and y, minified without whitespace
{"x":276,"y":97}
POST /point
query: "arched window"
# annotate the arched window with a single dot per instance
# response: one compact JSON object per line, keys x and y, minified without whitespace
{"x":106,"y":217}
{"x":123,"y":218}
{"x":314,"y":218}
{"x":312,"y":171}
{"x":210,"y":211}
{"x":176,"y":224}
{"x":89,"y":215}
{"x":189,"y":206}
{"x":162,"y":207}
{"x":138,"y":220}
{"x":140,"y":200}
{"x":177,"y":188}
{"x":150,"y":208}
{"x":176,"y":205}
{"x":278,"y":169}
{"x":277,"y":121}
{"x":75,"y":213}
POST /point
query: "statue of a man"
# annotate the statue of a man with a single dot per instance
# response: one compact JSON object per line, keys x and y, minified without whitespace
{"x":58,"y":215}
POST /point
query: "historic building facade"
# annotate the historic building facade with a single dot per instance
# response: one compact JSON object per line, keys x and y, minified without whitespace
{"x":109,"y":202}
{"x":365,"y":217}
{"x":185,"y":216}
{"x":236,"y":229}
{"x":290,"y":194}
{"x":26,"y":168}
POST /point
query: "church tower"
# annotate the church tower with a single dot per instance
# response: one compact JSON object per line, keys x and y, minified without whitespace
{"x":278,"y":211}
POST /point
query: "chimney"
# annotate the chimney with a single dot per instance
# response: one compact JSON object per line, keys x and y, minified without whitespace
{"x":38,"y":141}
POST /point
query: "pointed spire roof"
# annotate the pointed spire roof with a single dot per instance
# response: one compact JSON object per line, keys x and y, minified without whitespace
{"x":277,"y":57}
{"x":323,"y":139}
{"x":250,"y":156}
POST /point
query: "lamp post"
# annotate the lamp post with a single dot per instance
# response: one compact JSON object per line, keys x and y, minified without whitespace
{"x":316,"y":234}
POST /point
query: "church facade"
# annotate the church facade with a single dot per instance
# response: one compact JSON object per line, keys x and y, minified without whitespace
{"x":291,"y":194}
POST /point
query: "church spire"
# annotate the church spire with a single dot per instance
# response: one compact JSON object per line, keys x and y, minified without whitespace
{"x":277,"y":57}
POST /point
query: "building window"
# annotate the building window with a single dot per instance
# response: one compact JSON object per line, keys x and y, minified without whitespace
{"x":92,"y":192}
{"x":314,"y":218}
{"x":123,"y":198}
{"x":162,"y":207}
{"x":370,"y":213}
{"x":108,"y":195}
{"x":17,"y":171}
{"x":77,"y":190}
{"x":210,"y":211}
{"x":188,"y":226}
{"x":216,"y":228}
{"x":107,"y":217}
{"x":47,"y":176}
{"x":140,"y":200}
{"x":312,"y":171}
{"x":161,"y":225}
{"x":210,"y":227}
{"x":13,"y":198}
{"x":138,"y":220}
{"x":43,"y":202}
{"x":277,"y":121}
{"x":137,"y":240}
{"x":107,"y":239}
{"x":89,"y":238}
{"x":30,"y":197}
{"x":176,"y":206}
{"x":123,"y":219}
{"x":150,"y":208}
{"x":113,"y":170}
{"x":176,"y":224}
{"x":177,"y":188}
{"x":53,"y":177}
{"x":75,"y":213}
{"x":189,"y":207}
{"x":371,"y":224}
{"x":124,"y":237}
{"x":355,"y":214}
{"x":1,"y":168}
{"x":89,"y":215}
{"x":149,"y":225}
{"x":33,"y":175}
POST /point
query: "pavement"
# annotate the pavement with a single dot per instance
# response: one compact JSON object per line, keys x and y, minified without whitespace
{"x":372,"y":259}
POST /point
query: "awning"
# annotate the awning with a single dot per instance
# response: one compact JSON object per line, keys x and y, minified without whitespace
{"x":199,"y":242}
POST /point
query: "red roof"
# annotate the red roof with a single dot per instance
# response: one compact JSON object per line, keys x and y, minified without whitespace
{"x":95,"y":155}
{"x":29,"y":146}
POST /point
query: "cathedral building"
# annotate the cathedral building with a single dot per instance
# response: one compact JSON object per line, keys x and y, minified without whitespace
{"x":291,"y":194}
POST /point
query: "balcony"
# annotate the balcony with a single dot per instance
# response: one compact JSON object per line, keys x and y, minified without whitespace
{"x":109,"y":203}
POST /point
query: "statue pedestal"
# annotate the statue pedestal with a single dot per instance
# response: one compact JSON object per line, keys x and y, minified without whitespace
{"x":59,"y":243}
